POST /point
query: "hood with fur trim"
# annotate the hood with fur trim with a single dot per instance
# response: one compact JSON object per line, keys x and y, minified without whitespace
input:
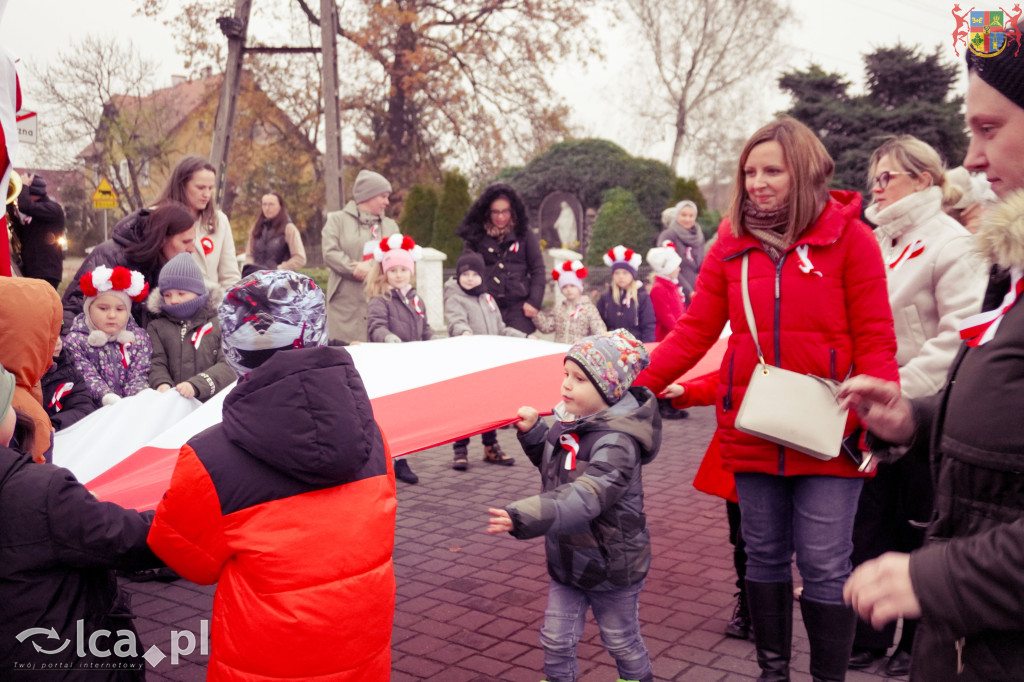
{"x":1001,"y":237}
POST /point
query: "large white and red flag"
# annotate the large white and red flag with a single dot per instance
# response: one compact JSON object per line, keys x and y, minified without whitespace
{"x":10,"y":102}
{"x":423,"y":394}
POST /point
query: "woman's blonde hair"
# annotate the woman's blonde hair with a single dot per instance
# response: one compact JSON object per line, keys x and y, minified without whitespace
{"x":810,"y":170}
{"x":376,"y":283}
{"x":916,"y":157}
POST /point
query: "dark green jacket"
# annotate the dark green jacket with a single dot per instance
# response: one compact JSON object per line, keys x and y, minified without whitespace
{"x":177,"y":357}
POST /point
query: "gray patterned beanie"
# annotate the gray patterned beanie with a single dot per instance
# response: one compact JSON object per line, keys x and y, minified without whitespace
{"x":270,"y":311}
{"x":611,"y":361}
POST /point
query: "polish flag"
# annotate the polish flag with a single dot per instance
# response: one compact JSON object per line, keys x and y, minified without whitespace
{"x":10,"y":102}
{"x":423,"y":394}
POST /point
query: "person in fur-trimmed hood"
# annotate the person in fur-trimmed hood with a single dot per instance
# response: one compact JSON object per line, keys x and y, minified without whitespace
{"x":965,"y":584}
{"x":186,"y":334}
{"x":497,"y":227}
{"x":110,"y":350}
{"x":591,"y":510}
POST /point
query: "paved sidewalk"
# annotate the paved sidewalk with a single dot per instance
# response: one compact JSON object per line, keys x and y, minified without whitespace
{"x":470,"y":605}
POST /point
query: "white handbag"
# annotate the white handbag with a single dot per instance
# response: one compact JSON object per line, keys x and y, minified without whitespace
{"x":796,"y":410}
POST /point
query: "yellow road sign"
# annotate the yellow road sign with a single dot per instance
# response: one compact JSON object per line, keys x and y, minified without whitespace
{"x":104,"y":196}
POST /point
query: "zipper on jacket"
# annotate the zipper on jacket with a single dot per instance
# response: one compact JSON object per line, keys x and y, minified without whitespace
{"x":727,"y":398}
{"x":960,"y":655}
{"x":778,"y":341}
{"x":832,"y":364}
{"x":184,"y":329}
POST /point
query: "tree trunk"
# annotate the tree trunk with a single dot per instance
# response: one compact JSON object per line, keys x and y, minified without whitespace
{"x":677,"y":145}
{"x":399,"y":147}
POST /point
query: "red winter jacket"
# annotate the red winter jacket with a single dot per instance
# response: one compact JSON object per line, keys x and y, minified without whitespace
{"x":831,"y":318}
{"x":289,"y":503}
{"x":668,"y":304}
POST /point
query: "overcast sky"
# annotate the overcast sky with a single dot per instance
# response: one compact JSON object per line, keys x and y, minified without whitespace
{"x":833,"y":33}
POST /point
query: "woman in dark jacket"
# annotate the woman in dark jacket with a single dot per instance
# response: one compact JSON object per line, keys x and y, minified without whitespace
{"x":141,"y":241}
{"x":497,"y":227}
{"x":966,"y":582}
{"x":274,"y":241}
{"x":58,"y":548}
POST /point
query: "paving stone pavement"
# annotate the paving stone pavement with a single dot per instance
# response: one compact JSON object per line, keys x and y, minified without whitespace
{"x":470,"y":605}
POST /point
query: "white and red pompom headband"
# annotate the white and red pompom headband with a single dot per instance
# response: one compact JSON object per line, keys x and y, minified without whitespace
{"x":571,"y":267}
{"x":623,"y":256}
{"x":571,"y":272}
{"x":397,"y":250}
{"x":103,"y":279}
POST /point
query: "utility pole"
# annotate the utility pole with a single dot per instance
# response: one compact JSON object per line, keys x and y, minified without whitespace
{"x":333,"y":163}
{"x":235,"y":29}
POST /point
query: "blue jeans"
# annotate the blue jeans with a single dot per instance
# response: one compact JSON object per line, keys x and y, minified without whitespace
{"x":811,"y":515}
{"x":617,"y":613}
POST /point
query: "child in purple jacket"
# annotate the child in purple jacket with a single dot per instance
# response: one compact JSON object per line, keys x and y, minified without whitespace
{"x":110,"y":350}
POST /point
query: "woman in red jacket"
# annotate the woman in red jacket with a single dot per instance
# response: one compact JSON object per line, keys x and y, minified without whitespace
{"x":818,"y":289}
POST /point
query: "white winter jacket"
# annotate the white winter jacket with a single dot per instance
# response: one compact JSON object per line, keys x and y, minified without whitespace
{"x":935,"y":280}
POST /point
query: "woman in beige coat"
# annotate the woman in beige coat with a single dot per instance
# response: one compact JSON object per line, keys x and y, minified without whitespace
{"x":345,"y":237}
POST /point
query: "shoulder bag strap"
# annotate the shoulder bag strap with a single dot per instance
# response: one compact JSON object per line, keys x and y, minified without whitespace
{"x":749,"y":310}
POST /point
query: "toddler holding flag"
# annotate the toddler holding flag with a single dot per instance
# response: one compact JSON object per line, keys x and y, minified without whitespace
{"x":470,"y":310}
{"x":591,"y":511}
{"x":186,"y":334}
{"x":110,"y":350}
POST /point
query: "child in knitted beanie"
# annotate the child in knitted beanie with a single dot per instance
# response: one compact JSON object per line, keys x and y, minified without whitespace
{"x":470,"y":310}
{"x":591,"y":510}
{"x":186,"y":333}
{"x":109,"y":349}
{"x":666,"y":293}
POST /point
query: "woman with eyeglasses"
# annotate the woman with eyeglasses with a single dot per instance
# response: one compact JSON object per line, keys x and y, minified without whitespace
{"x":497,"y":227}
{"x":935,"y":280}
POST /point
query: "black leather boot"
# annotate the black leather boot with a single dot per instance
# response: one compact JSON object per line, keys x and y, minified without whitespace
{"x":771,"y":617}
{"x":830,"y":630}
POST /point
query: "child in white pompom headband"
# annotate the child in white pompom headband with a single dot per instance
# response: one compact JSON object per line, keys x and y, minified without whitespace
{"x":109,"y":349}
{"x":395,"y":313}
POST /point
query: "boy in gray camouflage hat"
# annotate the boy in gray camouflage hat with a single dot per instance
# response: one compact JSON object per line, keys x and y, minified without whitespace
{"x":591,"y":510}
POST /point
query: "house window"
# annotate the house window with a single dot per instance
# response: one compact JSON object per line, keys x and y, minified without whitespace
{"x":144,"y":174}
{"x":124,"y":175}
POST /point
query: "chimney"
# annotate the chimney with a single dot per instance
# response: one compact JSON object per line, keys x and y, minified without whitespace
{"x":177,"y":80}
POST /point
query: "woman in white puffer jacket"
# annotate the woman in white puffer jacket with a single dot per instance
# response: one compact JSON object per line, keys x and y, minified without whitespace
{"x":935,"y":280}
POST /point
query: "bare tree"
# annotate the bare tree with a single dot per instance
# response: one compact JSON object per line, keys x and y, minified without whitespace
{"x":86,"y":93}
{"x":426,"y":84}
{"x":702,"y":49}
